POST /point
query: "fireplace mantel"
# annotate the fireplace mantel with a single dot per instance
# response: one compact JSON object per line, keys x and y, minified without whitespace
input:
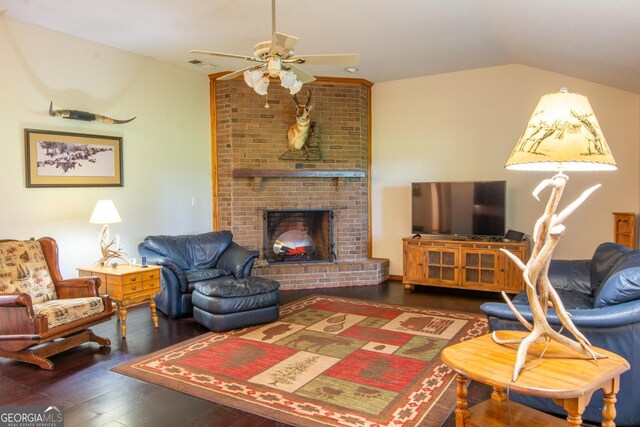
{"x":259,"y":174}
{"x":297,"y":173}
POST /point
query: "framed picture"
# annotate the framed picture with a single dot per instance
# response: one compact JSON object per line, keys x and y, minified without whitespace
{"x":64,"y":159}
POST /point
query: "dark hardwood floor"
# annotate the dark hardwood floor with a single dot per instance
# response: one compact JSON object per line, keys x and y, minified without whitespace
{"x":92,"y":395}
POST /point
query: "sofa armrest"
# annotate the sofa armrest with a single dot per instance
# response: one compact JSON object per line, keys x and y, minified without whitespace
{"x":570,"y":275}
{"x":593,"y":318}
{"x":237,"y":260}
{"x":79,"y":287}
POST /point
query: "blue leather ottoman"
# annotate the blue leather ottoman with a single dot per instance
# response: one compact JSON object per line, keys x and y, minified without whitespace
{"x":236,"y":303}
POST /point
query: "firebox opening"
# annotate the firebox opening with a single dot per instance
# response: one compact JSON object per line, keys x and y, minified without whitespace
{"x":297,"y":236}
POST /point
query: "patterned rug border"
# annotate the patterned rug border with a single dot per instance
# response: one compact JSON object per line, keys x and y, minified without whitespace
{"x":447,"y":397}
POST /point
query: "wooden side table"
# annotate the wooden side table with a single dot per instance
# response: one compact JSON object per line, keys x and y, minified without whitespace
{"x":562,"y":375}
{"x":128,"y":285}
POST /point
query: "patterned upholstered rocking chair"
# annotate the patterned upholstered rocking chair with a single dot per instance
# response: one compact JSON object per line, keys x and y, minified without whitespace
{"x":38,"y":307}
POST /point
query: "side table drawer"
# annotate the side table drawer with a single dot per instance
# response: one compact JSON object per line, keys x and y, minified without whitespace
{"x":150,"y":275}
{"x":132,"y":288}
{"x":132,"y":278}
{"x":120,"y":292}
{"x":152,"y":285}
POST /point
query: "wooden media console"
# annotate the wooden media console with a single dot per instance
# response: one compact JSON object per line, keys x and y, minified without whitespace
{"x":464,"y":264}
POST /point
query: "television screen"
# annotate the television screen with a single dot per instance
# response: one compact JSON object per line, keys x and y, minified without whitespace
{"x":458,"y":208}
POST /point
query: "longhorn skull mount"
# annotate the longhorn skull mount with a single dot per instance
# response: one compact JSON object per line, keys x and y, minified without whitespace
{"x":84,"y":115}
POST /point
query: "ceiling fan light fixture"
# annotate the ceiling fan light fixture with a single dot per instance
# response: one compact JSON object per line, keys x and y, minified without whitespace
{"x":262,"y":85}
{"x":251,"y":78}
{"x":287,"y":78}
{"x":295,"y":88}
{"x":272,"y":56}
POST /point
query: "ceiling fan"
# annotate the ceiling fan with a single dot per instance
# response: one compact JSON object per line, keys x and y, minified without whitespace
{"x":276,"y":58}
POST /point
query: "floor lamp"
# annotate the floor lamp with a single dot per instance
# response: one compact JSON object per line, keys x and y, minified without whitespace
{"x":562,"y":135}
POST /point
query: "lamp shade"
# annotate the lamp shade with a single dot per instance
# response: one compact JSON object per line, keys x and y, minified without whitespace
{"x":295,"y":87}
{"x":563,"y":134}
{"x":287,"y":78}
{"x":105,"y":212}
{"x":252,"y":77}
{"x":262,"y":85}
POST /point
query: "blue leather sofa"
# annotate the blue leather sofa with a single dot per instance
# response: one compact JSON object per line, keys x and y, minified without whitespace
{"x":190,"y":259}
{"x":603,"y":296}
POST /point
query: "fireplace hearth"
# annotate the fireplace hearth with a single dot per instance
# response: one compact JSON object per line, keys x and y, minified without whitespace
{"x":298,"y":236}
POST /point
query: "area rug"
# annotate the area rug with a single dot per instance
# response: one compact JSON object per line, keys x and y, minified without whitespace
{"x":326,"y":361}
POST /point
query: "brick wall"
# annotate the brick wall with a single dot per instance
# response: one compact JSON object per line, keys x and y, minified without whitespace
{"x":249,"y":136}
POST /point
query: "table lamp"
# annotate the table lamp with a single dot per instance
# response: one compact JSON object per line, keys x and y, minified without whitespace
{"x":562,"y":135}
{"x":105,"y":213}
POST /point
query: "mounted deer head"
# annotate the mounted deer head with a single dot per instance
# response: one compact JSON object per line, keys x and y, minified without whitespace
{"x":299,"y":131}
{"x":302,"y":110}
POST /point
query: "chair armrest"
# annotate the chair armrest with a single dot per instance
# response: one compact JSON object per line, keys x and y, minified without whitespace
{"x":237,"y":260}
{"x":107,"y":302}
{"x":17,"y":319}
{"x":593,"y":318}
{"x":570,"y":274}
{"x":16,"y":300}
{"x":172,"y":274}
{"x":78,"y":287}
{"x":169,"y":269}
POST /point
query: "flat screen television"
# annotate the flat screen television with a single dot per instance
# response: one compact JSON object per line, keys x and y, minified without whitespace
{"x":458,"y":208}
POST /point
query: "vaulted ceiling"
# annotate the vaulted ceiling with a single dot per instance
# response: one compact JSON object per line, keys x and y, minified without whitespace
{"x":595,"y":40}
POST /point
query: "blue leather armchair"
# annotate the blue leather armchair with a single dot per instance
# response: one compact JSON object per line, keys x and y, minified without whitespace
{"x":190,"y":259}
{"x":603,"y":296}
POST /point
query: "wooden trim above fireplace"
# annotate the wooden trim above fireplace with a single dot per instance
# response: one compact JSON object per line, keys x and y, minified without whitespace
{"x":336,"y":80}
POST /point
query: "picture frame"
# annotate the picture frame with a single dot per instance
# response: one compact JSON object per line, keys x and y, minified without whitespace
{"x":65,"y":159}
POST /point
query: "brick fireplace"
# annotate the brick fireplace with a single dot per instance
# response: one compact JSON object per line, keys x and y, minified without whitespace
{"x":250,"y":178}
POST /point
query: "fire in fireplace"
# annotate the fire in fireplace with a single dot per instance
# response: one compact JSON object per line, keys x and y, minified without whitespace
{"x":298,"y":235}
{"x":294,"y":244}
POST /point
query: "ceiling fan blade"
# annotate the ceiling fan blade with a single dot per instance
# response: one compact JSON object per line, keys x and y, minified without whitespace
{"x":301,"y":74}
{"x":282,"y":44}
{"x":239,"y":72}
{"x":336,"y":59}
{"x":224,"y":55}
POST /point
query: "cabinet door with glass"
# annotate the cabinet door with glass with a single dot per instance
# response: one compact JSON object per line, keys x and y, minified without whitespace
{"x":442,"y":266}
{"x":480,"y":268}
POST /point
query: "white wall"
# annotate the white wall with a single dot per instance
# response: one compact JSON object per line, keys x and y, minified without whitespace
{"x":462,"y":126}
{"x":166,"y":148}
